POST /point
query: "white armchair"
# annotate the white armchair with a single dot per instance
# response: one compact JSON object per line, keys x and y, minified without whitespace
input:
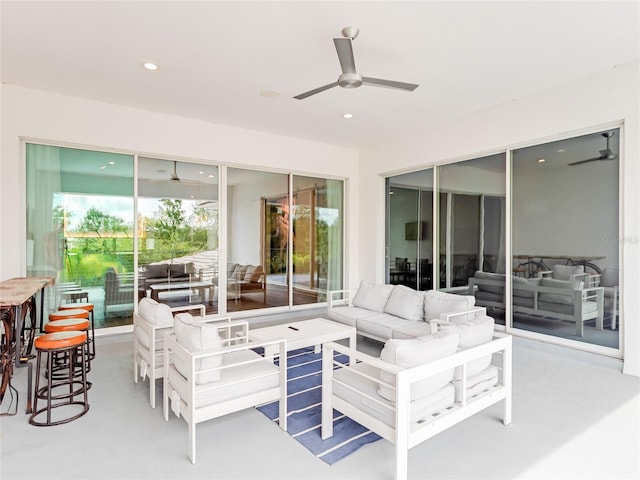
{"x":151,"y":321}
{"x":210,"y":372}
{"x":418,"y":388}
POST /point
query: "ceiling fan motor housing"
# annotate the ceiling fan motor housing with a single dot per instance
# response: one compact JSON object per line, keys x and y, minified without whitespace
{"x":350,"y":80}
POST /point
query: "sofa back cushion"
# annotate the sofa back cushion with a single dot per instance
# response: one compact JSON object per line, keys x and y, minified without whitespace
{"x":436,"y":303}
{"x":372,"y":296}
{"x":253,"y":273}
{"x":566,"y":272}
{"x":177,"y":270}
{"x":160,"y":270}
{"x":519,"y":282}
{"x":155,"y":313}
{"x":230,"y":268}
{"x":197,"y":337}
{"x":407,"y":353}
{"x":405,"y":302}
{"x":565,"y":298}
{"x":473,"y":332}
{"x":494,"y":277}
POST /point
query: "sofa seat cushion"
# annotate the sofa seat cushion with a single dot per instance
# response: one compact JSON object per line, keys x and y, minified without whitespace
{"x":437,"y":303}
{"x":230,"y":385}
{"x":349,"y":315}
{"x":380,"y":325}
{"x":565,"y":288}
{"x":381,"y":408}
{"x":405,"y":302}
{"x":482,"y":296}
{"x":372,"y":296}
{"x":588,"y":308}
{"x":412,"y":330}
{"x":197,"y":337}
{"x":477,"y":383}
{"x":418,"y":351}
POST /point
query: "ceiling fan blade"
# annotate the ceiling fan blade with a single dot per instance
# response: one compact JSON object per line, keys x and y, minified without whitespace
{"x":586,"y":161}
{"x":316,"y":90}
{"x":377,"y":82}
{"x":344,"y":47}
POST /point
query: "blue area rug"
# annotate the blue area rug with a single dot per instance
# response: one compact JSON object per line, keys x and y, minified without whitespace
{"x":304,"y":388}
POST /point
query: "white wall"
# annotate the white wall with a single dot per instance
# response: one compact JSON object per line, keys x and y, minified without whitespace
{"x":598,"y":101}
{"x":41,"y":115}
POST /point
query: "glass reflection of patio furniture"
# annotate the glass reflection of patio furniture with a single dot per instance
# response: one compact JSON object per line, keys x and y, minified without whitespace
{"x":118,"y":289}
{"x":532,"y":264}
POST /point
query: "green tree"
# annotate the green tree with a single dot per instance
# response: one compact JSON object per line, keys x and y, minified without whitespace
{"x":104,"y":226}
{"x":169,"y":222}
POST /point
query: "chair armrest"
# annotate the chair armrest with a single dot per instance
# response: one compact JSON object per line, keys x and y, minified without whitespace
{"x":186,"y":308}
{"x":333,"y":302}
{"x":473,"y":313}
{"x":590,"y":279}
{"x":545,"y":273}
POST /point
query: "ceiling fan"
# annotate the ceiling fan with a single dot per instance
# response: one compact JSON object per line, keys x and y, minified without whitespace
{"x":174,"y":178}
{"x":350,"y":78}
{"x":606,"y":154}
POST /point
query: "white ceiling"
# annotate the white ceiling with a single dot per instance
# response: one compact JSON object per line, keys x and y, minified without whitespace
{"x":216,"y":57}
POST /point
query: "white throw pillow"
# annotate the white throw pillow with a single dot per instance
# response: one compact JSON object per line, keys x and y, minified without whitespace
{"x":197,"y":337}
{"x":155,"y":313}
{"x":436,"y":303}
{"x":405,"y":302}
{"x":566,"y":272}
{"x":407,"y":353}
{"x":372,"y":296}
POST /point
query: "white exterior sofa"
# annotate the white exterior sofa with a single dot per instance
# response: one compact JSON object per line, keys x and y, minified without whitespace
{"x":383,"y":312}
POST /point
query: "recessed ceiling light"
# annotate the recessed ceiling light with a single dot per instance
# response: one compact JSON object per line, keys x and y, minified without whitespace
{"x":348,"y":115}
{"x":269,"y":93}
{"x":542,"y":160}
{"x":112,"y":163}
{"x":201,"y":173}
{"x":150,"y":66}
{"x":102,"y":167}
{"x":212,"y":176}
{"x":561,"y":150}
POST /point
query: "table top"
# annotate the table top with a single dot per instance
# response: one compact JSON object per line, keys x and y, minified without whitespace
{"x":16,"y":291}
{"x":176,"y":285}
{"x":314,"y":330}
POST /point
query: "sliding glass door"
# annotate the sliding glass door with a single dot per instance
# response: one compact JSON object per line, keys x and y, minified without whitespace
{"x":409,"y":230}
{"x":80,"y":226}
{"x":565,"y":238}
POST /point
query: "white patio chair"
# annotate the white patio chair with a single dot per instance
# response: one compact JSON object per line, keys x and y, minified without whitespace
{"x":149,"y":325}
{"x":208,"y":375}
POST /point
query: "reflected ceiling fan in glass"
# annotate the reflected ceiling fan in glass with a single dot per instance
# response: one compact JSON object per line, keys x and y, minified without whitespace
{"x":606,"y":154}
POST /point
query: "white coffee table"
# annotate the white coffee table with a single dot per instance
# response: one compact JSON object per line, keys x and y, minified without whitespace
{"x":305,"y":333}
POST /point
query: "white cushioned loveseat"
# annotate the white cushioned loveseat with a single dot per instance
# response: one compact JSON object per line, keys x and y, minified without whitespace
{"x":382,"y":312}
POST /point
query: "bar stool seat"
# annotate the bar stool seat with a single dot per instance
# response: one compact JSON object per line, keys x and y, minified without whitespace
{"x":89,"y":307}
{"x":63,"y":392}
{"x":72,"y":324}
{"x":69,"y":313}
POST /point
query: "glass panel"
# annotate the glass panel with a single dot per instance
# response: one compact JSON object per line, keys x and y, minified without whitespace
{"x":565,"y":238}
{"x":409,"y":229}
{"x":472,"y":221}
{"x":80,"y":226}
{"x":178,"y":232}
{"x":257,"y":239}
{"x":317,"y":238}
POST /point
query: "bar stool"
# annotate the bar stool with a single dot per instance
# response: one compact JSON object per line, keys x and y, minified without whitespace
{"x":62,"y":392}
{"x":89,"y":308}
{"x":71,"y":324}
